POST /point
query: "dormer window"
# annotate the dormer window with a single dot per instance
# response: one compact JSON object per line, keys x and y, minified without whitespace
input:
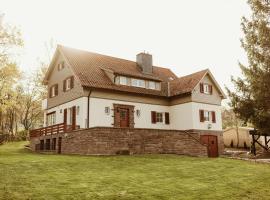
{"x":138,"y":83}
{"x":123,"y":80}
{"x":152,"y":85}
{"x":68,"y":84}
{"x":206,"y":88}
{"x":60,"y":66}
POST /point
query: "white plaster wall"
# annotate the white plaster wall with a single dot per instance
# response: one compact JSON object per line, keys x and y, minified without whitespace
{"x":181,"y":116}
{"x":204,"y":125}
{"x":81,"y":119}
{"x":98,"y":117}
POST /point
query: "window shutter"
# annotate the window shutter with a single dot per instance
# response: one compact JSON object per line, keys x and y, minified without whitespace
{"x":73,"y":118}
{"x":56,"y":89}
{"x":201,"y":87}
{"x":65,"y":116}
{"x":210,"y":89}
{"x":64,"y":85}
{"x":167,"y":118}
{"x":201,"y":116}
{"x":153,"y":117}
{"x":213,"y":117}
{"x":71,"y":82}
{"x":50,"y":92}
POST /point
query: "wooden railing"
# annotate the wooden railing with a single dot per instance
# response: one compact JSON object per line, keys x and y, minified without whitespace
{"x":49,"y":130}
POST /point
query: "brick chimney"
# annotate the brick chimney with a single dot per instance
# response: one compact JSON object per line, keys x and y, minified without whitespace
{"x":144,"y":60}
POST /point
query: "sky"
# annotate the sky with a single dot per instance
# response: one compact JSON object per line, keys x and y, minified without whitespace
{"x":183,"y":35}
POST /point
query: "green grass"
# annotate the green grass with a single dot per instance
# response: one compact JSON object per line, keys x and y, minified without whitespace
{"x":26,"y":175}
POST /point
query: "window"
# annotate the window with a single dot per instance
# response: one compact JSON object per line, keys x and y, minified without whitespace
{"x":123,"y":80}
{"x":206,"y":88}
{"x":68,"y":83}
{"x":152,"y":85}
{"x":207,"y":116}
{"x":51,"y":119}
{"x":159,"y":117}
{"x":61,"y":66}
{"x":138,"y":83}
{"x":138,"y":113}
{"x":53,"y":91}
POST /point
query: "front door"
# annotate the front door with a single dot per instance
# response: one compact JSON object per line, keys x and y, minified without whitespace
{"x":212,"y":145}
{"x":124,"y":117}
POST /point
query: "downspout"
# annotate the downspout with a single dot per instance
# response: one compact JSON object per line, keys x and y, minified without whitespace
{"x":88,"y":107}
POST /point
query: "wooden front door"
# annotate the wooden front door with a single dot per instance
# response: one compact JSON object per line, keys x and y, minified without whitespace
{"x":212,"y":145}
{"x":124,"y":117}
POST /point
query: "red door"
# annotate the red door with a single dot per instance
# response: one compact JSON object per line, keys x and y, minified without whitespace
{"x":124,"y":117}
{"x":212,"y":145}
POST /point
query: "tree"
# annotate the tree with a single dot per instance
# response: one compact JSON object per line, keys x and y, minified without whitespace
{"x":10,"y":39}
{"x":251,"y":98}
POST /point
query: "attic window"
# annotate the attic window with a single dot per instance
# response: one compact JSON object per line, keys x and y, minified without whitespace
{"x":60,"y":66}
{"x":138,"y":83}
{"x":123,"y":80}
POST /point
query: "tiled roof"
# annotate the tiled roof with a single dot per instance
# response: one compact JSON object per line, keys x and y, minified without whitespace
{"x":187,"y":83}
{"x":89,"y":69}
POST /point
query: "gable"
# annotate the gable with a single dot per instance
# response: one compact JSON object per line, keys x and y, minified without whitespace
{"x":216,"y":96}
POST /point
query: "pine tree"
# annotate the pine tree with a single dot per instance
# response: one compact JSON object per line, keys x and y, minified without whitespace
{"x":251,"y":98}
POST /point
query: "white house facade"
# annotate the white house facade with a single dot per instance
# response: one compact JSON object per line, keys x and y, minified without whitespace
{"x":88,"y":90}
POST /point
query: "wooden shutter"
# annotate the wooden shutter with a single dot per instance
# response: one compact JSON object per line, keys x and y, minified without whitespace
{"x":64,"y":85}
{"x":210,"y":89}
{"x":213,"y":117}
{"x":153,"y":117}
{"x":65,"y":116}
{"x":71,"y":82}
{"x":167,"y":118}
{"x":56,"y":89}
{"x":201,"y":88}
{"x":50,"y":92}
{"x":201,"y":116}
{"x":73,"y":118}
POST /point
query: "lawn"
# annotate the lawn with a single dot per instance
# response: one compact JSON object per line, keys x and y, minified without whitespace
{"x":26,"y":175}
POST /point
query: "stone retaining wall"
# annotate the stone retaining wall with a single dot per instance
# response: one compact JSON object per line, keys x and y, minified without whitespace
{"x":111,"y":141}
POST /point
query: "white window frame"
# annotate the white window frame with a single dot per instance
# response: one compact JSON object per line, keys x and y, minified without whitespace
{"x":123,"y":80}
{"x":160,"y":119}
{"x":68,"y":84}
{"x":152,"y":85}
{"x":53,"y":94}
{"x":138,"y":83}
{"x":207,"y":116}
{"x":206,"y":88}
{"x":51,"y":119}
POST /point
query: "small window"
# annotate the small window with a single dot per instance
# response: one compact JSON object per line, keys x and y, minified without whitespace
{"x":152,"y":85}
{"x":61,"y":66}
{"x":107,"y":110}
{"x":68,"y":84}
{"x":138,"y":83}
{"x":206,"y":88}
{"x":134,"y":82}
{"x":159,"y":117}
{"x":123,"y":80}
{"x":206,"y":116}
{"x":53,"y":91}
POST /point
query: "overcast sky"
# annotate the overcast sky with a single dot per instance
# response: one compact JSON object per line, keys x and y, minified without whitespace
{"x":184,"y":35}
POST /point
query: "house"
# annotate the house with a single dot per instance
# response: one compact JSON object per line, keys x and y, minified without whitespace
{"x":230,"y":137}
{"x":147,"y":109}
